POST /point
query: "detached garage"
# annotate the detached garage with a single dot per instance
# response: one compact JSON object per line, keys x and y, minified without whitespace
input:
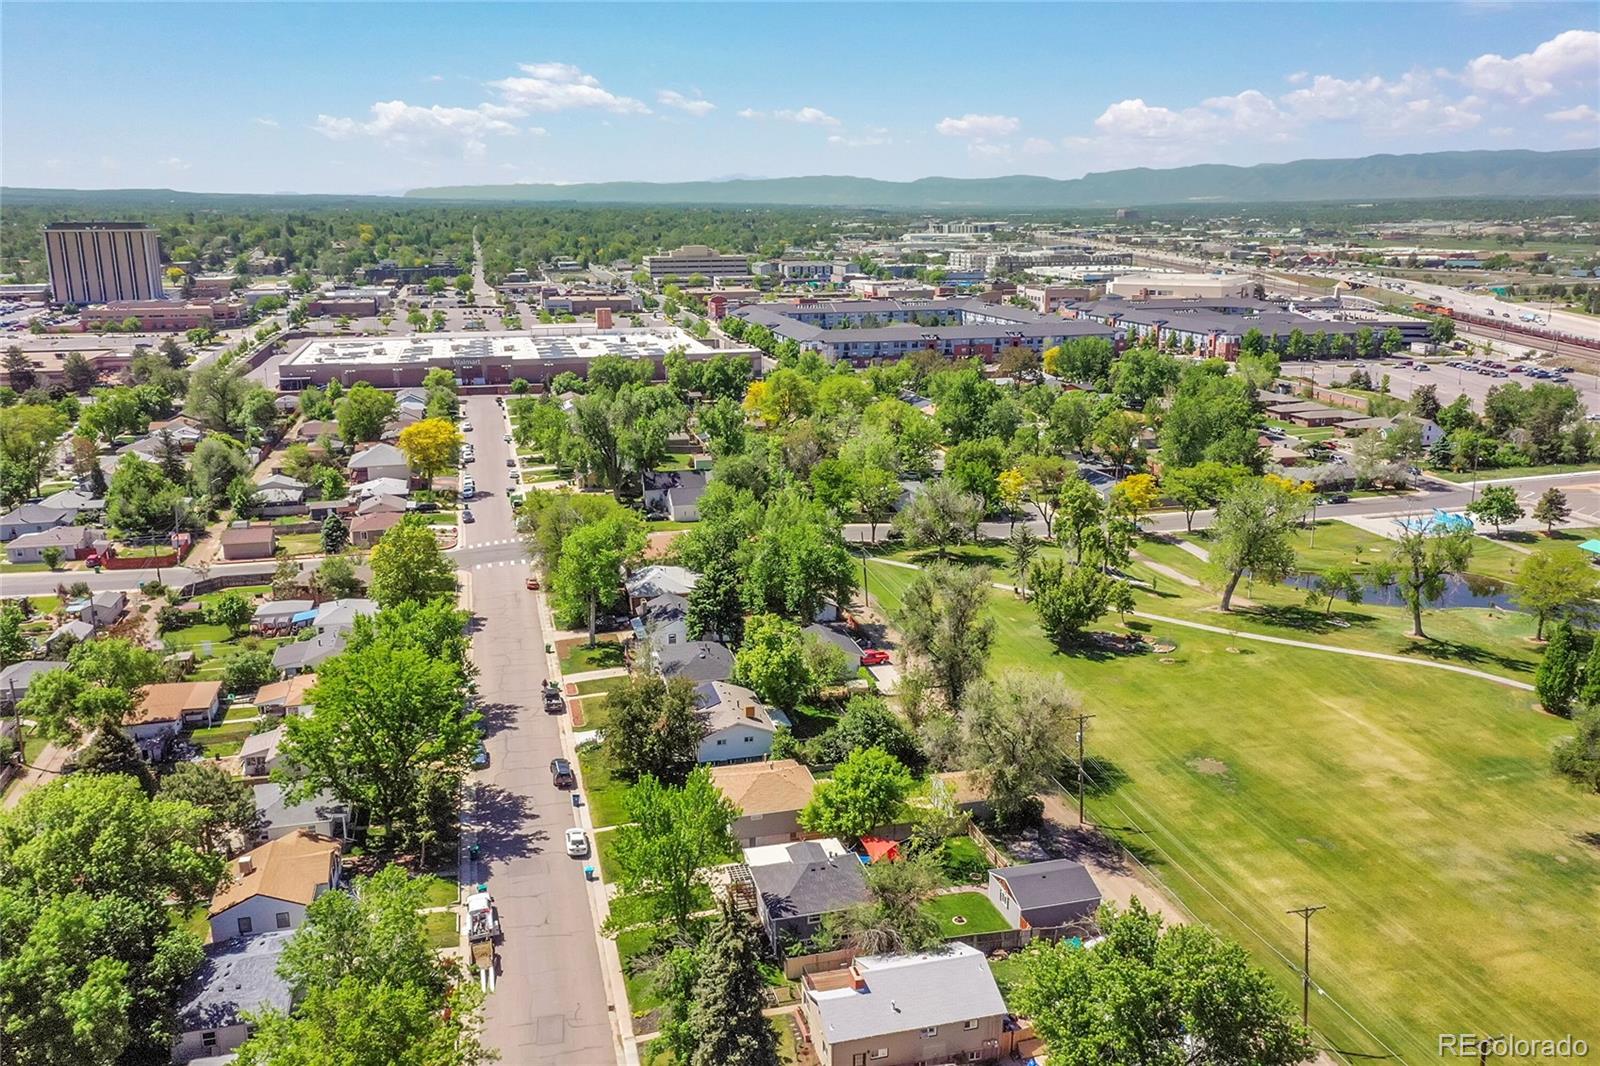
{"x":1041,"y":895}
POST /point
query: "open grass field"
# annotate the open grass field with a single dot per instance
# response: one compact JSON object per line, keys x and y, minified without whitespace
{"x":1460,"y":875}
{"x":1463,"y":477}
{"x":599,"y":686}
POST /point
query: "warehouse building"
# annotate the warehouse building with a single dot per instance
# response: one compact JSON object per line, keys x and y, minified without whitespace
{"x":865,"y":331}
{"x":1214,"y":328}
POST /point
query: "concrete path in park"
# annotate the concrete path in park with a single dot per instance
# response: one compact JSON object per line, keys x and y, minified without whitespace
{"x":1288,"y":642}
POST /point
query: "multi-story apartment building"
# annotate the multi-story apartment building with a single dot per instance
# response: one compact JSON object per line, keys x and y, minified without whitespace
{"x":98,"y":262}
{"x":692,"y":259}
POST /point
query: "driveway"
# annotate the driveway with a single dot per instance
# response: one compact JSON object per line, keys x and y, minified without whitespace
{"x":550,"y":1004}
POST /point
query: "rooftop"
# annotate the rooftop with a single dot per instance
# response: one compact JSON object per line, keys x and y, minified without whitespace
{"x":905,"y":993}
{"x":237,"y":975}
{"x":291,"y":868}
{"x":780,"y":785}
{"x":170,"y":701}
{"x":1047,"y":884}
{"x":525,"y":346}
{"x":814,"y":880}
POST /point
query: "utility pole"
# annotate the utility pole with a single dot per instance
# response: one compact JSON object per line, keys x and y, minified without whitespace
{"x":1305,"y":988}
{"x":1080,"y":719}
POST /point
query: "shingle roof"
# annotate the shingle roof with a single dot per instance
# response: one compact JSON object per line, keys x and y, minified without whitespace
{"x":377,"y":455}
{"x":289,"y":868}
{"x":304,"y":654}
{"x":653,"y":581}
{"x":813,"y":881}
{"x":1048,"y":884}
{"x":237,"y":975}
{"x":18,"y":676}
{"x":906,"y":993}
{"x":774,"y":787}
{"x":247,"y":535}
{"x":170,"y":701}
{"x":277,"y":812}
{"x":60,"y":537}
{"x":698,"y":660}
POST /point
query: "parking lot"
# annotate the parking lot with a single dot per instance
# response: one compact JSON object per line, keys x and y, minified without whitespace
{"x":1449,"y":382}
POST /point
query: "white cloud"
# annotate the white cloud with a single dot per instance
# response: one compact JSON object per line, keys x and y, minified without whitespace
{"x":1580,"y":113}
{"x":435,"y":78}
{"x":978,"y":126}
{"x":426,"y":129}
{"x":1567,"y":57}
{"x":864,"y":140}
{"x":751,"y":113}
{"x":175,"y":163}
{"x":808,"y":116}
{"x":694,"y":105}
{"x":267,"y":121}
{"x":981,"y":149}
{"x":562,"y":87}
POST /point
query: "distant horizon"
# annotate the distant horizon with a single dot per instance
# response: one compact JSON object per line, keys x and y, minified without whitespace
{"x":478,"y":94}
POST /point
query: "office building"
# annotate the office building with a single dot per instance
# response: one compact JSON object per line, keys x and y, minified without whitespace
{"x":98,"y":262}
{"x":1183,"y":286}
{"x":684,"y":263}
{"x":157,"y":316}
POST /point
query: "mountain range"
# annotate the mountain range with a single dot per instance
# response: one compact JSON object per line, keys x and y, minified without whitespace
{"x":1510,"y":173}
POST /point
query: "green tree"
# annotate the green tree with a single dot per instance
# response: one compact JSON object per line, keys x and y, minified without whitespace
{"x":52,"y":557}
{"x":226,"y":800}
{"x":729,"y":997}
{"x":939,"y":516}
{"x":1556,"y":680}
{"x":944,"y":619}
{"x":141,"y":501}
{"x":590,"y":571}
{"x":798,"y":560}
{"x":1068,"y":599}
{"x":335,"y":578}
{"x":895,"y":919}
{"x":1551,"y":509}
{"x":1023,"y":547}
{"x":716,"y":605}
{"x":217,"y":393}
{"x":655,"y":728}
{"x":1149,"y":994}
{"x":334,"y":535}
{"x":1335,"y":581}
{"x":772,"y":661}
{"x":867,"y":722}
{"x":1016,"y":732}
{"x":1497,"y":505}
{"x":407,"y":564}
{"x":1423,"y":559}
{"x":230,"y":609}
{"x":865,"y":792}
{"x":14,"y":643}
{"x":1578,"y":756}
{"x":671,"y":836}
{"x":218,"y":462}
{"x":1252,"y":533}
{"x":390,"y":719}
{"x":1556,"y":584}
{"x":363,"y":412}
{"x":29,"y":436}
{"x":1204,"y":485}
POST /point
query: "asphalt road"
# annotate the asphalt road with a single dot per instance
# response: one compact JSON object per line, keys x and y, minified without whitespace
{"x":550,"y":1004}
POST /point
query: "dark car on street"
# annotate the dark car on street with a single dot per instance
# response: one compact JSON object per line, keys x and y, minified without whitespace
{"x":561,"y":774}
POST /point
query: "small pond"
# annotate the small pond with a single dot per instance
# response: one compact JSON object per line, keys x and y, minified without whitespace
{"x":1468,"y":590}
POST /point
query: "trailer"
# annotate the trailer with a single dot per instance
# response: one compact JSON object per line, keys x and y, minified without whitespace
{"x":483,"y":928}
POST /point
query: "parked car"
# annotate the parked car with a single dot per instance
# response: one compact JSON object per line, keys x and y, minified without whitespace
{"x":480,"y":758}
{"x":1339,"y":497}
{"x":466,"y":516}
{"x":511,"y":463}
{"x":561,"y":774}
{"x":531,"y":584}
{"x":577,"y":843}
{"x":874,"y":657}
{"x":466,"y":427}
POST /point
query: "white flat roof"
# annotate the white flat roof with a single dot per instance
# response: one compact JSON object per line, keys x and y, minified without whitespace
{"x":556,"y":342}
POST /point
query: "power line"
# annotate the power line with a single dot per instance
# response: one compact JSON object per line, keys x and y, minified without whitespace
{"x":1305,"y":979}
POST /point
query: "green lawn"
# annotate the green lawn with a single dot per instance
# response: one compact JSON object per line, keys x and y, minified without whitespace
{"x":443,"y":929}
{"x":603,"y":793}
{"x":1416,"y":804}
{"x":295,"y":544}
{"x":193,"y":919}
{"x":193,"y":636}
{"x":241,"y":712}
{"x":599,"y":685}
{"x":249,"y":592}
{"x":440,"y":893}
{"x":581,"y":658}
{"x":589,"y":712}
{"x":980,"y":914}
{"x":1463,"y":477}
{"x":961,"y":858}
{"x":218,"y":741}
{"x":23,"y":568}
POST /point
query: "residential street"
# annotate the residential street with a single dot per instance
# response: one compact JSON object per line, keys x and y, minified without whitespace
{"x":550,"y":1004}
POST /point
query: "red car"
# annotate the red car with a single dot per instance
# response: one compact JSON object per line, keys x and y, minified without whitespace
{"x":875,"y":657}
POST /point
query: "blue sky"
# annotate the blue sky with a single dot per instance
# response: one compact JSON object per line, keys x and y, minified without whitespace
{"x":357,"y":98}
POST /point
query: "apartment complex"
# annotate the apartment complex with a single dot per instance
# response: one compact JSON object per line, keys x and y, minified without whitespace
{"x":97,"y":262}
{"x":692,"y":259}
{"x":165,"y":315}
{"x":1005,"y":262}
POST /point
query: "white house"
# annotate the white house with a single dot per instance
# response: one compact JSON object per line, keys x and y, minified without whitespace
{"x":379,"y":460}
{"x":739,"y":727}
{"x":273,"y":885}
{"x":238,"y":975}
{"x":33,"y":518}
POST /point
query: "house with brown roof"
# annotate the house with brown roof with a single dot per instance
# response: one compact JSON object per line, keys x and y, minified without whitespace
{"x":286,"y":697}
{"x":161,"y":711}
{"x":248,"y":542}
{"x":273,"y":885}
{"x":769,"y":795}
{"x":367,"y":529}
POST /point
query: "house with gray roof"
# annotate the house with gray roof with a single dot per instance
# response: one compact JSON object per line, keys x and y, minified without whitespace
{"x":15,"y":679}
{"x":75,"y":501}
{"x":799,"y":884}
{"x":648,"y":582}
{"x":75,"y":542}
{"x":674,"y":494}
{"x":321,"y":814}
{"x":307,"y":654}
{"x":739,"y":727}
{"x":73,"y":632}
{"x":697,"y":660}
{"x":238,"y":976}
{"x":102,"y":609}
{"x":280,"y":494}
{"x":899,"y":1010}
{"x":32,"y":518}
{"x":1042,"y":895}
{"x":379,"y":461}
{"x":841,"y":640}
{"x":338,"y":615}
{"x":663,"y":620}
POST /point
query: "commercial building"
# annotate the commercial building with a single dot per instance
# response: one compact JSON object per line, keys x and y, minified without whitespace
{"x":212,"y":286}
{"x":692,"y":259}
{"x":535,"y":355}
{"x":1051,"y":298}
{"x":802,"y":271}
{"x":587,"y":303}
{"x":1011,"y":260}
{"x":389,"y":270}
{"x":864,"y":331}
{"x":1214,"y":328}
{"x":1183,"y":286}
{"x":158,"y":316}
{"x":97,"y":262}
